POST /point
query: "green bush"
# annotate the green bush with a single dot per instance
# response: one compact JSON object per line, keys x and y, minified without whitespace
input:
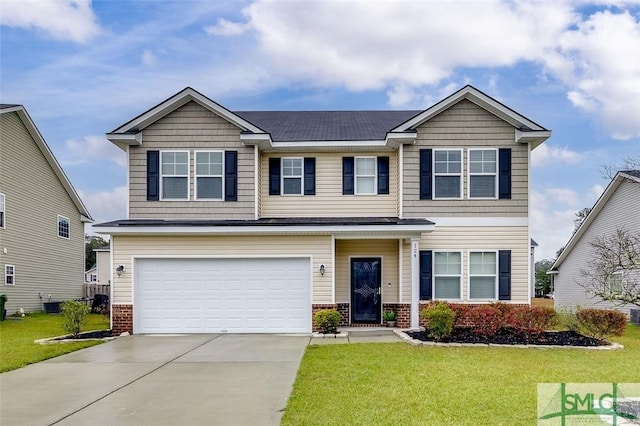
{"x":327,"y":321}
{"x":567,"y":319}
{"x":532,"y":319}
{"x":601,"y":323}
{"x":73,"y":316}
{"x":439,"y":319}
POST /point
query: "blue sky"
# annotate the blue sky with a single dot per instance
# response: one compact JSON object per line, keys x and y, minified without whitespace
{"x":82,"y":68}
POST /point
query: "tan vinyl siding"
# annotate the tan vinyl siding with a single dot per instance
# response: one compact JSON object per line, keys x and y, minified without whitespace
{"x":468,"y":238}
{"x":620,"y":211}
{"x":329,"y":200}
{"x":466,"y":125}
{"x":34,"y":199}
{"x":191,"y":127}
{"x":103,"y":267}
{"x":386,"y":249}
{"x":319,"y":247}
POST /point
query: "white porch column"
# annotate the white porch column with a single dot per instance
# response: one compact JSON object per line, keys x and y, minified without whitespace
{"x":415,"y":283}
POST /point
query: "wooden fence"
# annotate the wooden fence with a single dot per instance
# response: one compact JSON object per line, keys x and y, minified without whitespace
{"x":90,"y":290}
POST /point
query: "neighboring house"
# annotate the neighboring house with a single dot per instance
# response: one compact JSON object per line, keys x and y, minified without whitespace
{"x":252,"y":221}
{"x":41,"y":218}
{"x":617,"y":207}
{"x":100,"y":273}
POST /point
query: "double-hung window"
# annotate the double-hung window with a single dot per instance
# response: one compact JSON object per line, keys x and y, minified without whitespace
{"x":2,"y":210}
{"x":9,"y":275}
{"x":483,"y":278}
{"x":447,"y":173}
{"x":209,"y":175}
{"x":292,"y":182}
{"x":483,"y":166}
{"x":63,"y":227}
{"x":365,"y":175}
{"x":175,"y":175}
{"x":447,"y":274}
{"x":615,"y":282}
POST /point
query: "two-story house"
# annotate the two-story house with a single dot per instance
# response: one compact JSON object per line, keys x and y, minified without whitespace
{"x":250,"y":221}
{"x":41,"y":219}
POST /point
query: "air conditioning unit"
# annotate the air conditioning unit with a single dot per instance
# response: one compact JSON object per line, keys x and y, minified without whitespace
{"x":635,"y":316}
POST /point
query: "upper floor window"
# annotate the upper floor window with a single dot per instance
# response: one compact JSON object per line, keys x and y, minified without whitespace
{"x":365,"y":175}
{"x":482,"y":173}
{"x":2,"y":215}
{"x":447,"y":167}
{"x":482,"y":275}
{"x":615,"y":282}
{"x":63,"y":227}
{"x":447,"y":274}
{"x":9,"y":275}
{"x":209,"y":173}
{"x":175,"y":175}
{"x":292,"y":176}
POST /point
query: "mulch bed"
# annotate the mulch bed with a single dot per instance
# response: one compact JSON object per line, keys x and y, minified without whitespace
{"x":511,"y":337}
{"x":100,"y":334}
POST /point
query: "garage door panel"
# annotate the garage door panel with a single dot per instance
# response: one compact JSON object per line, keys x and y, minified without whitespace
{"x":222,"y":295}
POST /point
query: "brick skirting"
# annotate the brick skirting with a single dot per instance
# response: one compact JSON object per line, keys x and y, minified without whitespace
{"x":122,"y":318}
{"x":403,"y":313}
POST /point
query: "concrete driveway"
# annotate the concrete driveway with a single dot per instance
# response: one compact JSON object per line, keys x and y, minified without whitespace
{"x":158,"y":380}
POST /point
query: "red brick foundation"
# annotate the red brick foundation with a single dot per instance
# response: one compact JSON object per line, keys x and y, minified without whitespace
{"x":403,"y":313}
{"x":122,"y":318}
{"x":319,"y":307}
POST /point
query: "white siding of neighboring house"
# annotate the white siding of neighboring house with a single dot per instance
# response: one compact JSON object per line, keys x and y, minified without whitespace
{"x":621,"y":210}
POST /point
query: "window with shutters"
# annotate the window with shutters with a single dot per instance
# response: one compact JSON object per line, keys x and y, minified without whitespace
{"x":365,"y":175}
{"x":483,"y":275}
{"x":292,"y":171}
{"x":63,"y":227}
{"x":447,"y":173}
{"x":447,"y":274}
{"x":209,"y":175}
{"x":174,"y":170}
{"x":483,"y":168}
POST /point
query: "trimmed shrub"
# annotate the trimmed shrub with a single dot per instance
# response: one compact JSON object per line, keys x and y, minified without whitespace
{"x":483,"y":320}
{"x":601,"y":323}
{"x":439,"y":319}
{"x":531,"y":320}
{"x":327,"y":321}
{"x":74,"y":316}
{"x":567,"y":319}
{"x":460,"y":311}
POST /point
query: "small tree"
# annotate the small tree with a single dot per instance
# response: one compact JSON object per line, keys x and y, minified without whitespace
{"x":73,"y":316}
{"x":543,"y":280}
{"x":613,"y":271}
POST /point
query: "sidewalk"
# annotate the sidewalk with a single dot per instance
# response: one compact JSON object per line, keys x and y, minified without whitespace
{"x":356,"y":335}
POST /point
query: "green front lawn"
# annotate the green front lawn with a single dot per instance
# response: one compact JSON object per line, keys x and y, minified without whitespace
{"x":16,"y":339}
{"x":387,"y":384}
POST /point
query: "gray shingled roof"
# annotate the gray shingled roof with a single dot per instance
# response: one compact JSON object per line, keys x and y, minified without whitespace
{"x":294,"y":126}
{"x":4,"y":106}
{"x":634,"y":173}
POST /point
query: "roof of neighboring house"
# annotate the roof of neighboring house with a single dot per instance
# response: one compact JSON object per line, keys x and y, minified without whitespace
{"x":48,"y":155}
{"x":621,"y":176}
{"x":533,"y":243}
{"x":103,"y":248}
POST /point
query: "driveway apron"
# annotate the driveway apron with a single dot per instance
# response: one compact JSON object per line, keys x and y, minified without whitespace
{"x":160,"y":380}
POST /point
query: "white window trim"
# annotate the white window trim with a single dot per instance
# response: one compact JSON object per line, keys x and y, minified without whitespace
{"x":4,"y":211}
{"x":58,"y":227}
{"x":301,"y":177}
{"x":188,"y":176}
{"x":374,"y":176}
{"x":461,"y":174}
{"x":195,"y":175}
{"x":13,"y":268}
{"x":469,"y":275}
{"x":433,"y":274}
{"x":495,"y":189}
{"x":621,"y":274}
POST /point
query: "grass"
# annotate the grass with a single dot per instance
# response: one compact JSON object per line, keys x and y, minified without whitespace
{"x":367,"y":384}
{"x":16,"y":339}
{"x":541,"y":302}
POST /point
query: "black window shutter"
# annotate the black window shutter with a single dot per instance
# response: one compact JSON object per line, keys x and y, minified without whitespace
{"x":231,"y":175}
{"x":309,"y":176}
{"x":504,"y":186}
{"x":504,"y":277}
{"x":383,"y":175}
{"x":347,"y":175}
{"x":153,"y":175}
{"x":425,"y":174}
{"x":425,"y":275}
{"x":274,"y":176}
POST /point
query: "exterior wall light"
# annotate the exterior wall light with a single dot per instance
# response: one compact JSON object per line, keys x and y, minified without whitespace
{"x":120,"y":270}
{"x":322,"y":269}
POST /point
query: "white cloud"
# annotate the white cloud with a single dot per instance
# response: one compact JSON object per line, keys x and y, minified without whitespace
{"x":564,"y":196}
{"x":545,"y":154}
{"x":226,"y":28}
{"x":148,"y":58}
{"x":106,"y":205}
{"x":92,"y":148}
{"x":551,"y":224}
{"x":595,"y":192}
{"x":63,"y":19}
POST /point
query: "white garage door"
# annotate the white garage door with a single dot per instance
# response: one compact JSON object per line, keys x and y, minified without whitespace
{"x":247,"y":295}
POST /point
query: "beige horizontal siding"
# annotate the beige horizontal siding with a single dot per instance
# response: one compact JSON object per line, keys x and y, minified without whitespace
{"x":465,"y":125}
{"x":319,"y":247}
{"x":328,"y":200}
{"x":385,"y":249}
{"x":191,"y":127}
{"x":44,"y":262}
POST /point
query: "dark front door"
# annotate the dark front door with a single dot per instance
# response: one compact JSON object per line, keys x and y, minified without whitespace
{"x":366,"y":297}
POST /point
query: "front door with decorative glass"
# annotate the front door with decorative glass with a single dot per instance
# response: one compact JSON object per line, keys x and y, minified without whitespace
{"x":366,"y":297}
